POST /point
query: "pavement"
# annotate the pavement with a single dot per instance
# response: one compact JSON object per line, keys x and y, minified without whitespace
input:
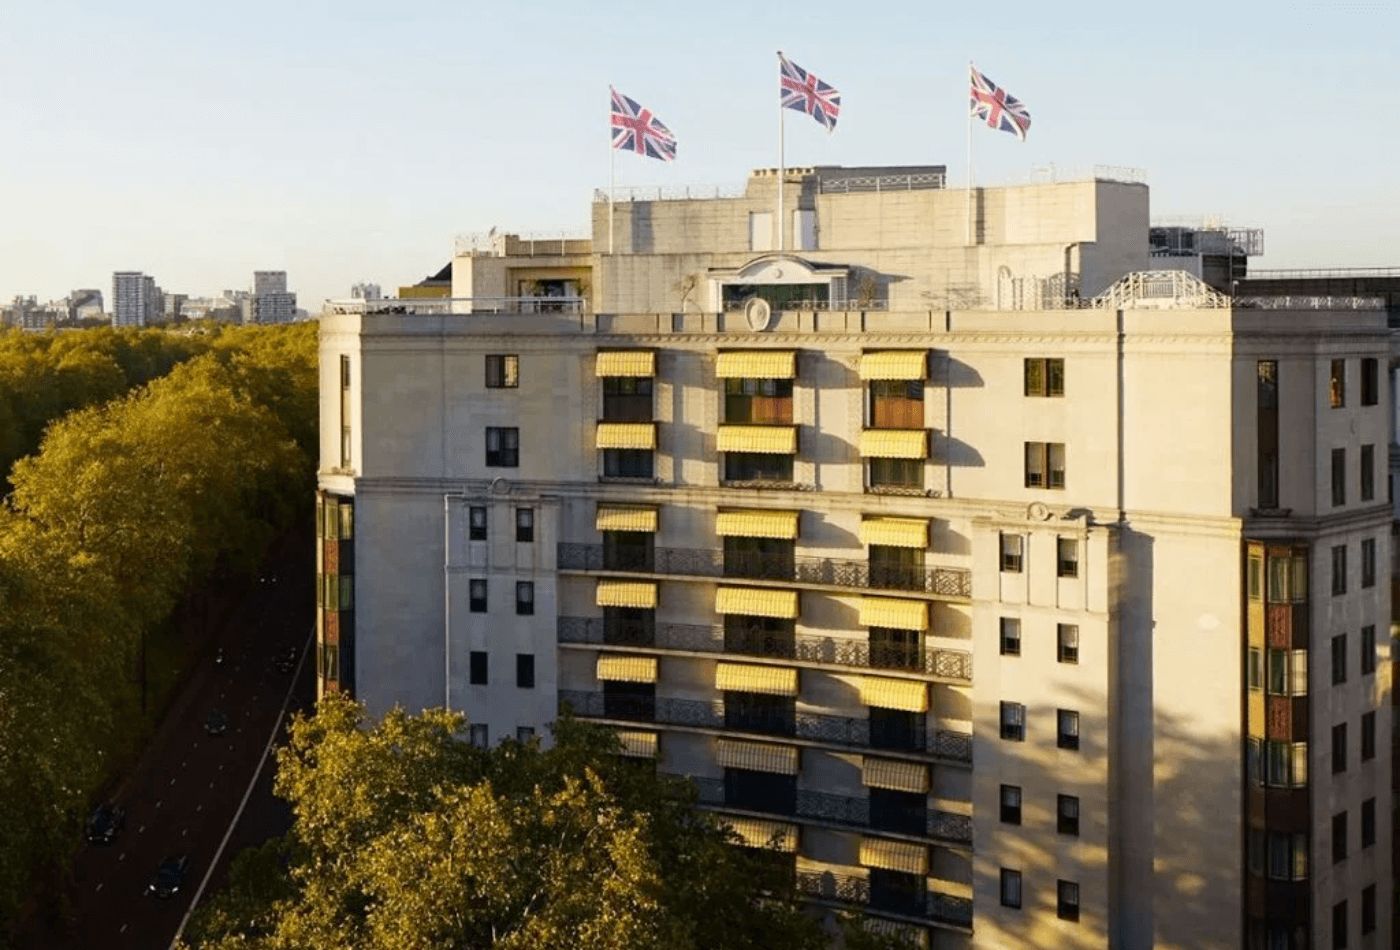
{"x":188,"y":789}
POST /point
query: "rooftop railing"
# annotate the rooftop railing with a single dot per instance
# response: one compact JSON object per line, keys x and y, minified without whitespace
{"x":463,"y":306}
{"x":669,"y":192}
{"x":866,"y":183}
{"x":850,"y":889}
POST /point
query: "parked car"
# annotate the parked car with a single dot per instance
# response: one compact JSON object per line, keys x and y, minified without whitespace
{"x":169,"y":877}
{"x":105,"y":822}
{"x":216,"y":723}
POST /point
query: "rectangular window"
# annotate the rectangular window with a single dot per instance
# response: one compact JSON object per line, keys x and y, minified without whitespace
{"x":1286,"y":764}
{"x":1067,"y":557}
{"x":1287,"y":672}
{"x":1067,"y":900}
{"x":524,"y":734}
{"x":480,"y":735}
{"x":1339,"y":659}
{"x":1287,"y":857}
{"x":1067,"y":814}
{"x":762,"y":401}
{"x":502,"y":447}
{"x":1368,"y":649}
{"x":1339,"y":569}
{"x":525,"y":598}
{"x":345,"y":412}
{"x":1368,"y":823}
{"x":1337,"y":387}
{"x":525,"y":670}
{"x":1067,"y":728}
{"x":476,"y":524}
{"x":894,"y":475}
{"x":1339,"y":748}
{"x":476,"y":595}
{"x":502,"y":372}
{"x":1067,"y":642}
{"x":477,"y":674}
{"x":1010,"y":636}
{"x":1368,"y":909}
{"x":1044,"y":377}
{"x":897,"y":404}
{"x":1339,"y":909}
{"x":1254,"y":668}
{"x":1013,"y":722}
{"x":347,"y":592}
{"x":1012,"y":546}
{"x":1339,"y":837}
{"x":1370,"y":381}
{"x":761,"y":231}
{"x":1368,"y":562}
{"x":1045,"y":465}
{"x":1339,"y":477}
{"x":524,"y":524}
{"x":634,"y":463}
{"x":1368,"y":736}
{"x":1011,"y":804}
{"x":1368,"y":473}
{"x":1266,"y":427}
{"x":1010,"y":888}
{"x":628,"y":399}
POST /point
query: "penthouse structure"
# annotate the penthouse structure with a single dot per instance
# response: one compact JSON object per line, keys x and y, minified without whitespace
{"x":1019,"y":596}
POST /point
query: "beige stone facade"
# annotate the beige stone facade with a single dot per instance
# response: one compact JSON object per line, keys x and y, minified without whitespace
{"x":955,"y":600}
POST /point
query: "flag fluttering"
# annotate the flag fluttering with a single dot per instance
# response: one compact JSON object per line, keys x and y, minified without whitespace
{"x":804,"y":92}
{"x":998,"y":108}
{"x":635,"y":129}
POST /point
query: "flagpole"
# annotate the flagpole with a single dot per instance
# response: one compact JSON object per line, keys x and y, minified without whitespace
{"x":782,"y":164}
{"x":969,"y":158}
{"x":612,"y":175}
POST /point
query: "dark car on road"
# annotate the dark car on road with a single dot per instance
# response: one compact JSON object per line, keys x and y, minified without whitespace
{"x":105,"y":822}
{"x":216,"y":723}
{"x":169,"y":877}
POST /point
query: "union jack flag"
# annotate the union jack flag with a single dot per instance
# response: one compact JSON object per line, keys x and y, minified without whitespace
{"x":635,"y":129}
{"x":806,"y":93}
{"x":1001,"y":109}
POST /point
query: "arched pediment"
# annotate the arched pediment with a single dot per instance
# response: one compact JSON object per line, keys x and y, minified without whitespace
{"x":780,"y":269}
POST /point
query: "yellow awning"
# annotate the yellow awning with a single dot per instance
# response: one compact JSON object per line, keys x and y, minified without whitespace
{"x":756,"y":756}
{"x":638,"y":594}
{"x":626,"y":669}
{"x":757,"y":602}
{"x":626,"y":363}
{"x":894,"y":443}
{"x":894,"y":364}
{"x":895,"y":532}
{"x":753,"y":833}
{"x":895,"y":775}
{"x":889,"y":612}
{"x":765,"y":440}
{"x":756,"y":364}
{"x":908,"y":695}
{"x":757,"y":524}
{"x":743,"y":678}
{"x":626,"y":435}
{"x":618,"y":518}
{"x":638,"y":745}
{"x":894,"y":856}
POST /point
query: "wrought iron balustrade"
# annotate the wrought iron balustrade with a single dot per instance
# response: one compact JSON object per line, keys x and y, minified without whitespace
{"x":805,"y":648}
{"x":801,"y":569}
{"x":849,"y":889}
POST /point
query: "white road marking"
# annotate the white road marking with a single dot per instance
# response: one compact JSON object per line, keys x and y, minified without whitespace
{"x":172,"y":781}
{"x":122,"y":856}
{"x":123,"y":930}
{"x":141,"y":830}
{"x":198,"y":809}
{"x":184,"y":831}
{"x":99,"y":889}
{"x":158,"y":801}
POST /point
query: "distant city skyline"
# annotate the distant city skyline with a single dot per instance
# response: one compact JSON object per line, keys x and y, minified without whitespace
{"x":351,"y":143}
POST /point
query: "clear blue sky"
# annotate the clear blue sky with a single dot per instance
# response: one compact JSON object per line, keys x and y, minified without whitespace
{"x":351,"y":140}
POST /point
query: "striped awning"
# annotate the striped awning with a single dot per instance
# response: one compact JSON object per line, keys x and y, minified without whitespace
{"x":890,"y":612}
{"x":755,"y":833}
{"x":626,"y":363}
{"x":638,"y":745}
{"x":638,"y":594}
{"x":756,"y":364}
{"x":894,"y":856}
{"x":894,"y":364}
{"x":620,"y":518}
{"x":907,"y":695}
{"x":626,"y":669}
{"x":895,"y":532}
{"x":894,"y":775}
{"x":757,"y":602}
{"x":894,"y":443}
{"x":744,"y":678}
{"x":781,"y":525}
{"x":756,"y":756}
{"x":765,"y":440}
{"x":626,"y":435}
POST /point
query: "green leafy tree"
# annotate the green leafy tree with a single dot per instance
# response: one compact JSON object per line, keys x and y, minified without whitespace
{"x":405,"y":837}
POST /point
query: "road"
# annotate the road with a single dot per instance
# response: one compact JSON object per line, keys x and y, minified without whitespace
{"x":186,"y":789}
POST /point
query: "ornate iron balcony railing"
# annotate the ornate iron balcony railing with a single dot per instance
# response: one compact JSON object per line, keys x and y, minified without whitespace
{"x":849,"y":889}
{"x":806,"y":648}
{"x":800,"y":569}
{"x":846,"y":731}
{"x":846,"y":810}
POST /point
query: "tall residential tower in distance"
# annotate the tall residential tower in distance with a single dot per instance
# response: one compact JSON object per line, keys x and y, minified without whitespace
{"x":1019,"y":595}
{"x":269,"y":301}
{"x":135,"y":299}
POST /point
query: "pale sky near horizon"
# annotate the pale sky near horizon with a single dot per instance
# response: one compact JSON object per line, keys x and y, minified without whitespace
{"x":346,"y":141}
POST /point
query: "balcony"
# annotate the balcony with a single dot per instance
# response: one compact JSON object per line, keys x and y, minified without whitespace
{"x":849,"y":889}
{"x":941,"y":826}
{"x":843,"y":731}
{"x":954,"y":665}
{"x":953,"y":583}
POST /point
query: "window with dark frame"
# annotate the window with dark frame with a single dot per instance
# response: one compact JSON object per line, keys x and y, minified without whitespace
{"x":476,"y":595}
{"x":525,"y":598}
{"x":1339,"y":569}
{"x":1067,"y":729}
{"x":476,"y":523}
{"x":1010,"y":636}
{"x":1067,"y":814}
{"x":502,"y":447}
{"x":1337,"y":386}
{"x":1067,"y":900}
{"x":1012,"y":548}
{"x":480,"y":735}
{"x":1368,"y":562}
{"x":1045,"y":465}
{"x":1266,"y":427}
{"x":524,"y":734}
{"x":1339,"y":925}
{"x":1044,"y":377}
{"x":1011,"y":804}
{"x":1368,"y":649}
{"x":477,"y":672}
{"x":1368,"y":823}
{"x":1013,"y":722}
{"x":1368,"y":473}
{"x":524,"y":524}
{"x":1370,"y":381}
{"x":1368,"y":909}
{"x":1339,"y":477}
{"x":345,"y":406}
{"x":1339,"y":659}
{"x":502,"y":371}
{"x":1067,"y":557}
{"x":1339,"y":748}
{"x":1339,"y":837}
{"x":525,"y":670}
{"x":1067,"y":642}
{"x":1010,"y":888}
{"x":1368,"y":736}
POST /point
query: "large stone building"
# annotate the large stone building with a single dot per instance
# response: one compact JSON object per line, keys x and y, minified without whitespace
{"x":1022,"y":598}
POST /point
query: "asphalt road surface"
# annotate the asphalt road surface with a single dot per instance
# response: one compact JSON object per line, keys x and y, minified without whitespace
{"x":187,"y":787}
